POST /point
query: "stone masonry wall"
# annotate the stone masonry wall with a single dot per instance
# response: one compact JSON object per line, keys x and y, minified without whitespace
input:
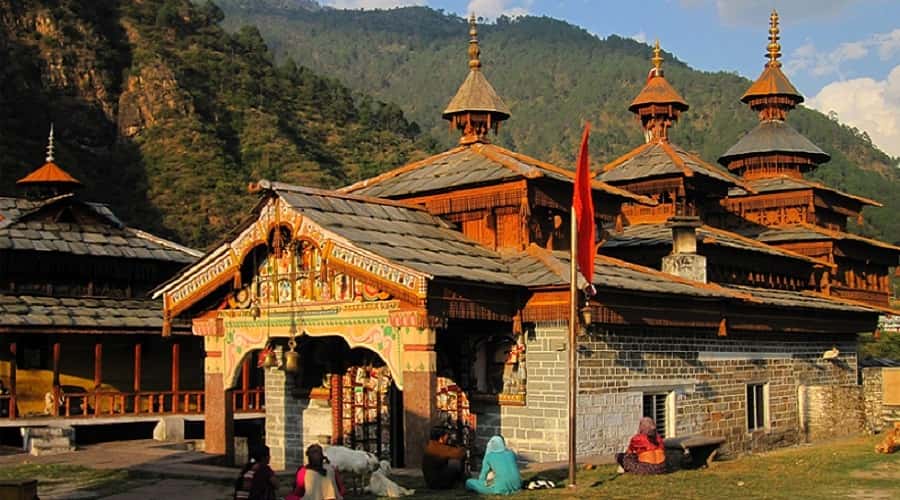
{"x":832,"y":410}
{"x":708,"y":376}
{"x":872,"y":394}
{"x":538,"y":430}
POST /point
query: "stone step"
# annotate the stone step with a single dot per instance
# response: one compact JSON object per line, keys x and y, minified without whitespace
{"x":38,"y":450}
{"x":39,"y":432}
{"x":52,"y":441}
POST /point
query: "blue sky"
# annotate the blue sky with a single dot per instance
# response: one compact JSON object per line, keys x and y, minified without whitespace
{"x":843,"y":55}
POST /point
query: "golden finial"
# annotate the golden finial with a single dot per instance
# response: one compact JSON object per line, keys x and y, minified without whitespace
{"x":49,"y":158}
{"x":774,"y":46}
{"x":474,"y":51}
{"x":657,"y":58}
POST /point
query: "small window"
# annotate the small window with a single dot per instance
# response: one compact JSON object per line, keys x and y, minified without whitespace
{"x":757,"y":406}
{"x":657,"y":407}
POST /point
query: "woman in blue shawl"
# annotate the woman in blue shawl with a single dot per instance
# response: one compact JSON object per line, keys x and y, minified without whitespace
{"x":502,"y":461}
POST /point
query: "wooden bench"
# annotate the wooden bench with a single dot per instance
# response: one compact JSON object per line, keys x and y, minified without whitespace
{"x":691,"y":452}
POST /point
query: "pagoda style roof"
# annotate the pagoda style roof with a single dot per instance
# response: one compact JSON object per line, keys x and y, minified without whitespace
{"x":642,"y":235}
{"x":810,"y":232}
{"x":476,"y":94}
{"x":49,"y":173}
{"x":772,"y":82}
{"x":774,"y":136}
{"x":787,"y":183}
{"x":658,"y":90}
{"x":109,"y":315}
{"x":467,"y":166}
{"x":662,"y":158}
{"x":22,"y":227}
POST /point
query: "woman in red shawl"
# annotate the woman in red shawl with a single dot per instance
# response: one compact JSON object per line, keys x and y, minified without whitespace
{"x":646,"y":452}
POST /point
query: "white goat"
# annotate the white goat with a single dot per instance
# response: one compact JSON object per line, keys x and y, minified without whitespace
{"x":354,"y":465}
{"x":380,"y":485}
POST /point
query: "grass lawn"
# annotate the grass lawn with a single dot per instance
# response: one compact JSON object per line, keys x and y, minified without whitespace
{"x":847,"y":468}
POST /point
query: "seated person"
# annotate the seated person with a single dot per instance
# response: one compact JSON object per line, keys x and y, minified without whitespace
{"x":502,"y":462}
{"x":442,"y":463}
{"x":317,"y":480}
{"x":646,"y":452}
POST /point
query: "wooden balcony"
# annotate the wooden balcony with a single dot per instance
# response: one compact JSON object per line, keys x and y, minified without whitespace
{"x":873,"y":297}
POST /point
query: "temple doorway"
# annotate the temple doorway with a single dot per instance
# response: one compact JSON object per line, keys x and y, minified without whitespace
{"x":366,"y":406}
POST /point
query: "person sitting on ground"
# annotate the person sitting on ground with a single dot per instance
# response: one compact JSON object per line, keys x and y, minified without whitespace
{"x":442,"y":463}
{"x":646,"y":452}
{"x":502,"y":462}
{"x":257,"y":480}
{"x":318,"y":479}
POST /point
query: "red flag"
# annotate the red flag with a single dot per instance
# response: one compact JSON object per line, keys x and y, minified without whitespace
{"x":583,"y":206}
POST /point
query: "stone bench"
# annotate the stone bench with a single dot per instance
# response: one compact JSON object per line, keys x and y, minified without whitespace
{"x":691,"y":452}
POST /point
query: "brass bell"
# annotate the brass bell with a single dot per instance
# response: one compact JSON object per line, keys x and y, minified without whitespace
{"x":292,"y":362}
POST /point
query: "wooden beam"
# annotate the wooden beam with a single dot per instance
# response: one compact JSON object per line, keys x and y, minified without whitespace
{"x":176,"y":369}
{"x":245,"y":381}
{"x":98,"y":365}
{"x":13,"y":367}
{"x":56,"y":354}
{"x":137,"y":367}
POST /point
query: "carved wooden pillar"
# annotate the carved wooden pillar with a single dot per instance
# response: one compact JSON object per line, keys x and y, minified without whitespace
{"x":176,"y":374}
{"x":56,"y":389}
{"x":13,"y":367}
{"x":98,"y":365}
{"x":419,"y":394}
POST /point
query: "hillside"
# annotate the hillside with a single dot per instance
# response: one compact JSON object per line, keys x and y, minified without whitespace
{"x":553,"y":76}
{"x":167,"y":117}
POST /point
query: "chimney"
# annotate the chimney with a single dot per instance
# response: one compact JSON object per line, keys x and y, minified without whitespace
{"x":684,"y":261}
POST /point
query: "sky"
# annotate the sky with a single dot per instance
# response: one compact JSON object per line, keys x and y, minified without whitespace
{"x":843,"y":55}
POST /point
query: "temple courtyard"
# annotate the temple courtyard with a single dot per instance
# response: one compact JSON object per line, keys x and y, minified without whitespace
{"x":843,"y":468}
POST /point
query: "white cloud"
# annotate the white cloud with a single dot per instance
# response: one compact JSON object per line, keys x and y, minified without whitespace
{"x":808,"y":58}
{"x":640,"y":36}
{"x":867,"y":104}
{"x":491,"y":9}
{"x":753,"y":12}
{"x":371,"y":4}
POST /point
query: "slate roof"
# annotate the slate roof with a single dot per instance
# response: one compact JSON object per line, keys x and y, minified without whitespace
{"x":661,"y":158}
{"x":470,"y":165}
{"x":774,"y":136}
{"x":809,"y":232}
{"x":406,"y":235}
{"x":784,"y":183}
{"x":113,"y":239}
{"x":658,"y":91}
{"x":641,"y":235}
{"x":87,"y":313}
{"x":476,"y":94}
{"x":787,"y":298}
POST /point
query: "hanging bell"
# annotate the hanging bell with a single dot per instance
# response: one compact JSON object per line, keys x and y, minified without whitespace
{"x":271,"y":360}
{"x":292,"y":358}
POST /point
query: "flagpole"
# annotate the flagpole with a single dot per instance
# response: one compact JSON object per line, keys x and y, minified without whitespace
{"x":573,"y":336}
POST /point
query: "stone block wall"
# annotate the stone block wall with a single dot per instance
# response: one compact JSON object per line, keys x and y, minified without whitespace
{"x":879,"y":416}
{"x":709,"y":376}
{"x":830,"y":411}
{"x":538,"y":430}
{"x":292,"y":423}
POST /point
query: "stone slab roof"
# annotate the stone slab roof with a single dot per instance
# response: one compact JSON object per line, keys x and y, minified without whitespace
{"x":404,"y":234}
{"x":774,"y":136}
{"x":642,"y":235}
{"x":470,"y":165}
{"x":809,"y":232}
{"x":789,"y":299}
{"x":108,"y":237}
{"x":107,"y":314}
{"x":785,"y":183}
{"x":661,"y":158}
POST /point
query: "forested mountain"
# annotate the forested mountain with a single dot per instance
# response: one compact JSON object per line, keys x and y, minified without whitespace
{"x":164,"y":115}
{"x":553,"y":76}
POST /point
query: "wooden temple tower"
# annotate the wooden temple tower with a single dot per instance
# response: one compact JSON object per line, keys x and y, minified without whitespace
{"x":777,"y":206}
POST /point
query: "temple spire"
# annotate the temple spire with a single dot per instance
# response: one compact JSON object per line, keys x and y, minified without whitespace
{"x":774,"y":46}
{"x":658,"y":105}
{"x":49,"y":158}
{"x":476,"y":108}
{"x":474,"y":50}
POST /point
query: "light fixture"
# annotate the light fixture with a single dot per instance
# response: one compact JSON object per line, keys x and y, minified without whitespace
{"x":587,"y":315}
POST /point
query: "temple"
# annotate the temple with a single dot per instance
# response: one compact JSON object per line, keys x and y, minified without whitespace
{"x":437,"y":294}
{"x":82,"y":344}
